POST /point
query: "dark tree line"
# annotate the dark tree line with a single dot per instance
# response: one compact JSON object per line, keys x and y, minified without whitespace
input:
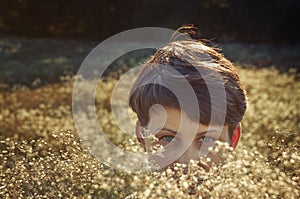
{"x":245,"y":20}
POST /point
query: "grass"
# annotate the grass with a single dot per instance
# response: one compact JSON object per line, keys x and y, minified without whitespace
{"x":42,"y":156}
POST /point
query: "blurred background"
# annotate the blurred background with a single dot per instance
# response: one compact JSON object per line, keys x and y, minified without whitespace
{"x":225,"y":20}
{"x":46,"y":39}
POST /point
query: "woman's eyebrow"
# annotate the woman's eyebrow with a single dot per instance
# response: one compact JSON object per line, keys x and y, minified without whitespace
{"x":197,"y":134}
{"x":206,"y":132}
{"x":167,"y":129}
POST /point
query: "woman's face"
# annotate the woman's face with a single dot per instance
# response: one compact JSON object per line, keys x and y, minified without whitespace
{"x":181,"y":138}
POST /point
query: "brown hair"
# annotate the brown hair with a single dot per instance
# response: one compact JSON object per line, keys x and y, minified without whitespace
{"x":200,"y":65}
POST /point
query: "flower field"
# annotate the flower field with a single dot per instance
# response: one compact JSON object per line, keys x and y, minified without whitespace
{"x":42,"y":156}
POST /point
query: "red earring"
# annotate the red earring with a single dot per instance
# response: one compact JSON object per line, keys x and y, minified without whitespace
{"x":235,"y":137}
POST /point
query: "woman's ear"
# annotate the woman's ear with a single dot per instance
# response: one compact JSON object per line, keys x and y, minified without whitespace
{"x":236,"y":135}
{"x":138,"y":131}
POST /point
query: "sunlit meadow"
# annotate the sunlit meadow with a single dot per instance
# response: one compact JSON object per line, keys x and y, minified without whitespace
{"x":41,"y":155}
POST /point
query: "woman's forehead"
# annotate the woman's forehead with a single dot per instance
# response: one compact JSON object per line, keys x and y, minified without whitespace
{"x":176,"y":120}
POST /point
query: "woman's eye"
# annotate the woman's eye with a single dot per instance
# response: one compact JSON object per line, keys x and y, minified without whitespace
{"x":207,"y":139}
{"x":167,"y":138}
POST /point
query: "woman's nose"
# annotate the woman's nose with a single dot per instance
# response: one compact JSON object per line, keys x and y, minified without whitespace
{"x":192,"y":153}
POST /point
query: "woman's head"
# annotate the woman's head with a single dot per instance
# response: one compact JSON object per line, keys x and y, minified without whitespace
{"x":167,"y":79}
